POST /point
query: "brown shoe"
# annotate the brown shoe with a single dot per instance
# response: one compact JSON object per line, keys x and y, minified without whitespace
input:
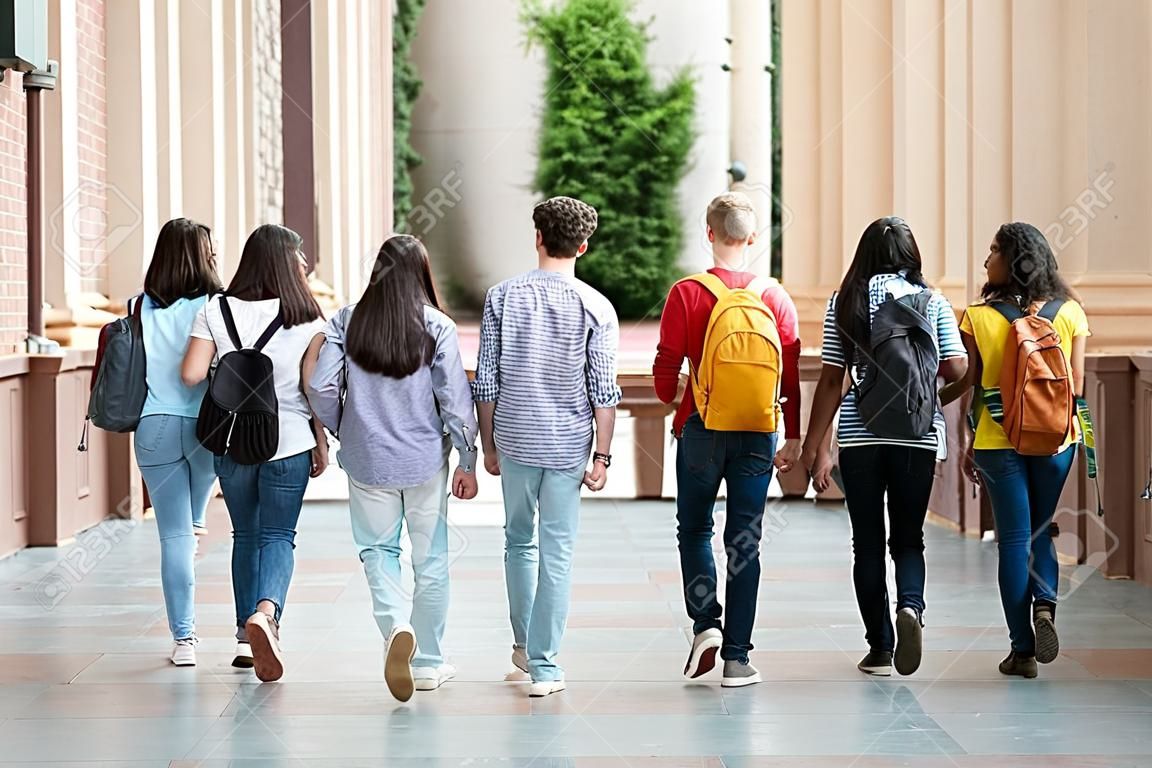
{"x":264,"y":637}
{"x":1020,"y":665}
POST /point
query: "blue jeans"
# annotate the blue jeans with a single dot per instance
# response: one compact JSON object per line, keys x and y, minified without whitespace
{"x":264,"y":503}
{"x":1024,"y":491}
{"x":744,"y":460}
{"x":539,"y":577}
{"x":896,"y":479}
{"x":178,"y":473}
{"x":378,"y":514}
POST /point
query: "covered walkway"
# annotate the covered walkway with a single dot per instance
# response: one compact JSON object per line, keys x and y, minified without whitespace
{"x":85,"y":681}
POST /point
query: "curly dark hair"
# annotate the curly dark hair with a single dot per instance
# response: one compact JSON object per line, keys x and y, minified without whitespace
{"x":564,"y":224}
{"x":1033,"y":273}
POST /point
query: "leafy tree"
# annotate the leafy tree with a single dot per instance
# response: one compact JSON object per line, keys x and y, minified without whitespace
{"x":406,"y":86}
{"x":613,"y":139}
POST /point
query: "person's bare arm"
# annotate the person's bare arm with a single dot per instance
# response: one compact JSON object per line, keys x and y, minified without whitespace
{"x":597,"y":477}
{"x":956,"y":387}
{"x":1079,"y":348}
{"x":485,"y":414}
{"x":197,"y":361}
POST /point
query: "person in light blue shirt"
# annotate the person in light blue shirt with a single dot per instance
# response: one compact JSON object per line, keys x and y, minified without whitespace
{"x":177,"y":470}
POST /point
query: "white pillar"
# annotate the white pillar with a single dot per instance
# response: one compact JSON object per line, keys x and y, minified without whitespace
{"x":132,"y":168}
{"x":751,"y":110}
{"x":62,"y":238}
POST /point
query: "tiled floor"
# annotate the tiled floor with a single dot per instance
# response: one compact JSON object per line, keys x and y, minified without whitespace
{"x":84,"y":678}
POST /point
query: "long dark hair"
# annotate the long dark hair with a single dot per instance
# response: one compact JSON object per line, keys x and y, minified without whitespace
{"x":1033,"y":274}
{"x":387,"y":333}
{"x":183,"y":265}
{"x":886,"y":247}
{"x":270,"y":268}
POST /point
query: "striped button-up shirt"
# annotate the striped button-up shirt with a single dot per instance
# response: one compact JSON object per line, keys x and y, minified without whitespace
{"x":548,"y":347}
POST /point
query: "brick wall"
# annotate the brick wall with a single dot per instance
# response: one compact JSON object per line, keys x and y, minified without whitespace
{"x":267,"y":78}
{"x":99,"y":208}
{"x":13,"y":216}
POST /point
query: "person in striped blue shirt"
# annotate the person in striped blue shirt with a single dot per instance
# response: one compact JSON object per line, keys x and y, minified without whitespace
{"x":881,"y":471}
{"x":545,"y":388}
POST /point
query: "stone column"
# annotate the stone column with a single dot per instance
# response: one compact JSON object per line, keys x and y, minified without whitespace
{"x":751,"y":116}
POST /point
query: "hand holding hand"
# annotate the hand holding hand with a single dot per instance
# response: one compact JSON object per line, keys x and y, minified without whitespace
{"x":788,"y":456}
{"x":319,"y":458}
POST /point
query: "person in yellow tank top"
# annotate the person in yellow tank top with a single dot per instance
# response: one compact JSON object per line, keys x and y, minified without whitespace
{"x":1024,"y":490}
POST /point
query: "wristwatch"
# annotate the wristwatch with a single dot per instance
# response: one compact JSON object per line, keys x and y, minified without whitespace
{"x":603,"y":458}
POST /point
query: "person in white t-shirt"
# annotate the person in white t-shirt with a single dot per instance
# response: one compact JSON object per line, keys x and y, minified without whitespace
{"x":264,"y":500}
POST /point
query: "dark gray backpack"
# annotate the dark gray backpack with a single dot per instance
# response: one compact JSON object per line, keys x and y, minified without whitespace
{"x":119,"y":377}
{"x":896,"y":397}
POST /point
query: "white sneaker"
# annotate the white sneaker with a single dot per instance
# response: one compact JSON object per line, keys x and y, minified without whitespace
{"x":398,"y":653}
{"x":243,"y":656}
{"x":184,"y":652}
{"x":702,"y":659}
{"x":431,"y":678}
{"x":545,"y":687}
{"x":520,"y":658}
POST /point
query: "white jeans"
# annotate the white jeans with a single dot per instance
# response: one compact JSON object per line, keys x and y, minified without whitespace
{"x":377,"y":516}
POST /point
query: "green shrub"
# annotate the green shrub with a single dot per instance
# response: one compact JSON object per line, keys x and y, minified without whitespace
{"x":406,"y":85}
{"x":612,"y":139}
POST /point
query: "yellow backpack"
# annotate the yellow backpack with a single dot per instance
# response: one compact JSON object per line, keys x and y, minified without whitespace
{"x":737,"y":385}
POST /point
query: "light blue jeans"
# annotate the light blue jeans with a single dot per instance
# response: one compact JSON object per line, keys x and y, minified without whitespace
{"x":378,"y":514}
{"x":178,"y":473}
{"x":539,"y":576}
{"x":264,"y":502}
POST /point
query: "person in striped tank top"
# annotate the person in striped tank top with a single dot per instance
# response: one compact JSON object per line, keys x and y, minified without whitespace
{"x":881,"y":471}
{"x":545,"y":389}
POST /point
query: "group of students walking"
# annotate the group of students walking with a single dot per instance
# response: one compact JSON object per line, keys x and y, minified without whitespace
{"x":386,"y":376}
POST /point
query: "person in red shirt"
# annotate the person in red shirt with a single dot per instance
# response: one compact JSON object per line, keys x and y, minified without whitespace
{"x":706,"y":457}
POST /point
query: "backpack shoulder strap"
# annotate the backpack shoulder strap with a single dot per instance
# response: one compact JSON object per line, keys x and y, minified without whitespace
{"x":273,"y":326}
{"x":1051,"y":309}
{"x":1010,"y":313}
{"x":714,"y":284}
{"x":230,"y":322}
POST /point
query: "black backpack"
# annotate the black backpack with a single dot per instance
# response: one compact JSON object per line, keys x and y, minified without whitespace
{"x":897,"y":397}
{"x":119,"y":384}
{"x":239,"y":416}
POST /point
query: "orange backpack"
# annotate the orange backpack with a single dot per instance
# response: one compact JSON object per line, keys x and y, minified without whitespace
{"x":1036,"y":390}
{"x":737,"y":384}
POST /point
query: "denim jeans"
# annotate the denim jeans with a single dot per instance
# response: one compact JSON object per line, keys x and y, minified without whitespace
{"x":744,"y":461}
{"x":179,"y":475}
{"x":539,"y":576}
{"x":902,"y":476}
{"x":378,"y":514}
{"x":1024,"y":491}
{"x":264,"y":503}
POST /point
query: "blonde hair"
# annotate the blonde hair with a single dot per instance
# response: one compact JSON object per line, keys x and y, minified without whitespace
{"x":732,"y":218}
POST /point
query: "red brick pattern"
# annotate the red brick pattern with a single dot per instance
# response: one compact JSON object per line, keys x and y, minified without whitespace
{"x":94,"y":219}
{"x":13,"y":216}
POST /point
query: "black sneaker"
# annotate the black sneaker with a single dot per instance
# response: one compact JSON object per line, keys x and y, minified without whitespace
{"x":1018,"y":664}
{"x":1047,"y":641}
{"x":876,"y":663}
{"x":909,"y":641}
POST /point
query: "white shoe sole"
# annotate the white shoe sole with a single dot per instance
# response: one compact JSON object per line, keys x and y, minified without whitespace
{"x":184,"y":662}
{"x":702,"y":659}
{"x":877,"y":671}
{"x":430,"y":683}
{"x":398,"y":664}
{"x":740,"y":682}
{"x":540,"y":690}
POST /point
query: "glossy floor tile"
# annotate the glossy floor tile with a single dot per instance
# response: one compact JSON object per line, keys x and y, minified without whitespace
{"x":85,"y":680}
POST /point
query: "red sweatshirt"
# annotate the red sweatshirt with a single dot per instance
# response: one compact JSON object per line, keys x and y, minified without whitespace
{"x":682,"y":328}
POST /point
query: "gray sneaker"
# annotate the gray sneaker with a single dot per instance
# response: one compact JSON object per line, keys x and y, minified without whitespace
{"x":737,"y":674}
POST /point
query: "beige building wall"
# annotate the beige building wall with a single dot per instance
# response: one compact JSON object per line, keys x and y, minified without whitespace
{"x":961,"y":115}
